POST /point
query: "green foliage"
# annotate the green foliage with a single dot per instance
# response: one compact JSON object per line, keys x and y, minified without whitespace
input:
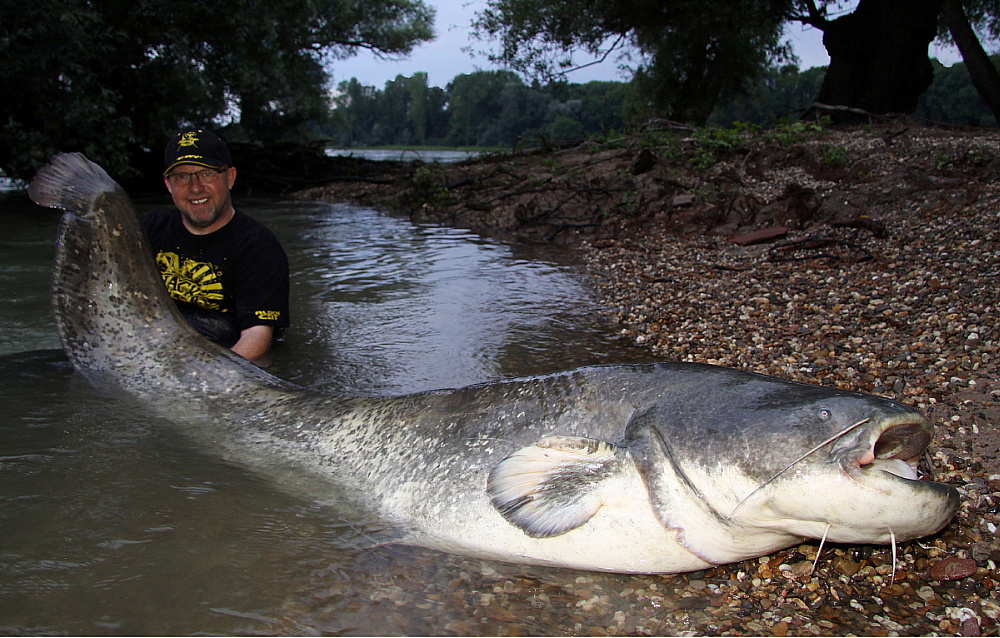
{"x":790,"y":133}
{"x":111,"y":77}
{"x":485,"y":106}
{"x":427,"y":189}
{"x":952,"y":97}
{"x":687,"y":53}
{"x":836,"y":157}
{"x":713,"y":144}
{"x":779,"y":95}
{"x":629,"y":204}
{"x":720,"y":140}
{"x":566,"y":128}
{"x":696,"y":59}
{"x":786,"y":92}
{"x":407,"y":112}
{"x":492,"y":109}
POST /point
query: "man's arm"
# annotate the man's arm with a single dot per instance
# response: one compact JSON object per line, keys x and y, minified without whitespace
{"x":254,"y":344}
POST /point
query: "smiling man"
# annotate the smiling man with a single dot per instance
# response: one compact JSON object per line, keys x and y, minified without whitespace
{"x":227,"y":272}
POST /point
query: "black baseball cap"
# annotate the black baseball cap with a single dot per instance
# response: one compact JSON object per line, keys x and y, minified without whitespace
{"x":196,"y":146}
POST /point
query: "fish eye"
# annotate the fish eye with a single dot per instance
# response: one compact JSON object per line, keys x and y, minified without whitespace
{"x":824,"y":414}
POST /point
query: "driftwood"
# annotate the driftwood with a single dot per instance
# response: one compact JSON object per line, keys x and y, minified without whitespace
{"x":845,"y":113}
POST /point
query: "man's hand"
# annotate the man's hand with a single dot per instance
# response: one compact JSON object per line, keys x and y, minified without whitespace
{"x":254,"y":344}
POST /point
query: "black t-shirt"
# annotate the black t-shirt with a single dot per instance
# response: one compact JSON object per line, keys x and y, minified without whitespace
{"x":224,"y":282}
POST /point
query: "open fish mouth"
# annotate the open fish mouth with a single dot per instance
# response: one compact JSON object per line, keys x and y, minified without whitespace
{"x":896,"y":446}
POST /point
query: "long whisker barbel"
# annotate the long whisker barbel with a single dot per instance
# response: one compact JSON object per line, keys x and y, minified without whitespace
{"x":892,"y":537}
{"x":819,"y":551}
{"x":787,"y":467}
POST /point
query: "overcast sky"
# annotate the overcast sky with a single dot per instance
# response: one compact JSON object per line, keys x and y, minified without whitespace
{"x":443,"y":58}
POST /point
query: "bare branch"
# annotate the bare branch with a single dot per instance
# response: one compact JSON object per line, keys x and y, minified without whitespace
{"x":814,"y":16}
{"x":616,"y":45}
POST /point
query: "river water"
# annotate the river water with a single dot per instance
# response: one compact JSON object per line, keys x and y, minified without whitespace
{"x":112,"y":522}
{"x":403,"y":155}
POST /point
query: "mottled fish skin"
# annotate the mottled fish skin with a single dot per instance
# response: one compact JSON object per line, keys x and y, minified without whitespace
{"x":644,"y":468}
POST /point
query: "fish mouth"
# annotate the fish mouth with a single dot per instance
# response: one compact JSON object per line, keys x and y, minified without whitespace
{"x":894,"y":445}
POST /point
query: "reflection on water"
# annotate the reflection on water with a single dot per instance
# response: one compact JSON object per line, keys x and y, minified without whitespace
{"x":385,"y":307}
{"x":403,"y":155}
{"x":27,"y":246}
{"x":113,"y":522}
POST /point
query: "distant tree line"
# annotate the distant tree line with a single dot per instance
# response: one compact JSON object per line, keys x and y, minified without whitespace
{"x":114,"y":79}
{"x":498,"y":109}
{"x":486,"y":108}
{"x":690,"y":56}
{"x":787,"y":93}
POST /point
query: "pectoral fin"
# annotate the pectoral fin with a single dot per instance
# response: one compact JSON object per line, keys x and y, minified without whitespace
{"x":551,"y":487}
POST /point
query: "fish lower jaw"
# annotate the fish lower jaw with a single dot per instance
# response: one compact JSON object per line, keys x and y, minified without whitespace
{"x":868,"y":462}
{"x":897,"y":467}
{"x":906,"y":469}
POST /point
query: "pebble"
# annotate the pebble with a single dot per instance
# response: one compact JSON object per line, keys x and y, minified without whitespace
{"x":952,"y":568}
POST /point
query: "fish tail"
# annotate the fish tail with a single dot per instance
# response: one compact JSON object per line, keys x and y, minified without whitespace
{"x":70,"y":182}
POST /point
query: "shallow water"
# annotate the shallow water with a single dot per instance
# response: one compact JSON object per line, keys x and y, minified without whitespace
{"x":403,"y":155}
{"x":112,"y":521}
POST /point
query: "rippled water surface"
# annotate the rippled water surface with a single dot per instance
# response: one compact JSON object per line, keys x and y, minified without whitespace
{"x":403,"y":155}
{"x":114,"y":522}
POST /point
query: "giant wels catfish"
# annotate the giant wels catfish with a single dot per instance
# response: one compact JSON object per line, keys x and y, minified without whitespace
{"x":655,"y":468}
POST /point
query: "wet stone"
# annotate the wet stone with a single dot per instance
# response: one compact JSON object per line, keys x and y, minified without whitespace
{"x":952,"y":568}
{"x":693,"y":603}
{"x":846,"y":566}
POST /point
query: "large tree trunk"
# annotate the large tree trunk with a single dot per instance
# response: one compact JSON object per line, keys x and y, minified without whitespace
{"x":878,"y":55}
{"x":983,"y":74}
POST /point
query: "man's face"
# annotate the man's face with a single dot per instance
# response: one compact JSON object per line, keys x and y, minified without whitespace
{"x":203,"y":197}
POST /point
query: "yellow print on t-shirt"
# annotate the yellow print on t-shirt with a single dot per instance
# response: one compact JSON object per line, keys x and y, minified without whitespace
{"x":191,"y":281}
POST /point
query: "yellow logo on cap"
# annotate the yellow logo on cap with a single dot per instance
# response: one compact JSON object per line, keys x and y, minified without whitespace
{"x":189,"y":139}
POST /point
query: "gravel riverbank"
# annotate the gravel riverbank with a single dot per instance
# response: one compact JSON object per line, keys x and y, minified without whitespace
{"x":911,"y":315}
{"x":881,"y":273}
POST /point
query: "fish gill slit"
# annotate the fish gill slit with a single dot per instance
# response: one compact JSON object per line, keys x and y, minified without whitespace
{"x":815,"y":448}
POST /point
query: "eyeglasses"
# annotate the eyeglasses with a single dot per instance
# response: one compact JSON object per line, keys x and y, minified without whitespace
{"x":205,"y":177}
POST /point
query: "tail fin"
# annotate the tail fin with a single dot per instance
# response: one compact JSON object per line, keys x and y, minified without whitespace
{"x":70,"y":182}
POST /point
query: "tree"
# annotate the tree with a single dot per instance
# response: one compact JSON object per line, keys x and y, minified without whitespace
{"x":782,"y":94}
{"x":406,"y":111}
{"x":486,"y":108}
{"x":477,"y":104}
{"x":355,"y":112}
{"x":110,"y":77}
{"x":689,"y":55}
{"x":953,"y":98}
{"x":878,"y":54}
{"x":982,"y":71}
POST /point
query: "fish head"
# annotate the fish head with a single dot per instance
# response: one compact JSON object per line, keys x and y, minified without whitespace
{"x":845,"y":466}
